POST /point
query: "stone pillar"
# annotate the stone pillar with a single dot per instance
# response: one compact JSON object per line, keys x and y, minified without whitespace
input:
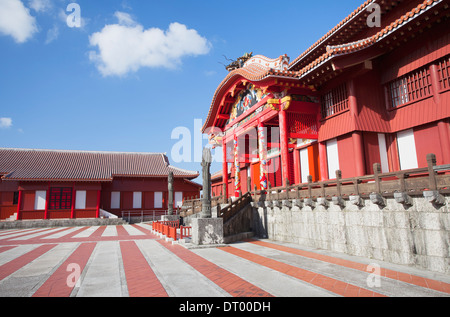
{"x":170,"y":189}
{"x":207,"y":230}
{"x":206,"y":201}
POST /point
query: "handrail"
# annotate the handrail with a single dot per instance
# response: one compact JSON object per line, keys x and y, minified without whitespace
{"x":228,"y":212}
{"x":127,"y":214}
{"x":412,"y":181}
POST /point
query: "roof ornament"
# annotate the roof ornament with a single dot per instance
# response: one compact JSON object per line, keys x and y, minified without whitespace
{"x":238,"y":63}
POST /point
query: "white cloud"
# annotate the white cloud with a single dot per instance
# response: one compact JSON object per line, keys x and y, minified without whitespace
{"x":40,"y":5}
{"x":52,"y":34}
{"x":126,"y":46}
{"x":125,"y":18}
{"x":5,"y":123}
{"x":16,"y":21}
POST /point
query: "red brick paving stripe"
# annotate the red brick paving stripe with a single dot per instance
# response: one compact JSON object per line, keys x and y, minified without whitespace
{"x":73,"y":234}
{"x":141,"y":280}
{"x":35,"y":231}
{"x":56,"y":285}
{"x":98,"y":233}
{"x":4,"y":249}
{"x":226,"y":280}
{"x":53,"y":232}
{"x":16,"y":264}
{"x":146,"y":231}
{"x":122,"y":232}
{"x":8,"y":232}
{"x":403,"y":277}
{"x":322,"y":281}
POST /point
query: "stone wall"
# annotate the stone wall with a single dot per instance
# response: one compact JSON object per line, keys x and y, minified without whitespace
{"x":416,"y":235}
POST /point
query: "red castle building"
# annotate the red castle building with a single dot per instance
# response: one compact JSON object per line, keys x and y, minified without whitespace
{"x":50,"y":184}
{"x":360,"y":95}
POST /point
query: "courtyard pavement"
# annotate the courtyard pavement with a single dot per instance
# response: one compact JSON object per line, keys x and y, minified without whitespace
{"x":131,"y":261}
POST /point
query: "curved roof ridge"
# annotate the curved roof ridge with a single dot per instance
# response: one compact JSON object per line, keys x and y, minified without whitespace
{"x":331,"y":32}
{"x":336,"y":50}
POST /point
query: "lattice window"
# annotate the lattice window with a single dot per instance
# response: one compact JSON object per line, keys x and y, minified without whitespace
{"x":444,"y":72}
{"x":410,"y":87}
{"x":60,"y":198}
{"x":335,"y":101}
{"x":302,"y":123}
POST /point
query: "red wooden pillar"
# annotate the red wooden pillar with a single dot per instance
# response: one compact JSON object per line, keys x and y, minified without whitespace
{"x":297,"y":179}
{"x":19,"y":204}
{"x":323,"y":161}
{"x":99,"y":196}
{"x":444,"y":136}
{"x":359,"y":153}
{"x":72,"y":211}
{"x":434,"y":76}
{"x":47,"y":200}
{"x":224,"y":168}
{"x":358,"y":148}
{"x":285,"y":167}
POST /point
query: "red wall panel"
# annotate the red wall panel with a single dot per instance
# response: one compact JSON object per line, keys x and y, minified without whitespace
{"x":371,"y":151}
{"x":28,"y":200}
{"x":127,"y":200}
{"x":346,"y":157}
{"x":91,"y":199}
{"x":427,"y":141}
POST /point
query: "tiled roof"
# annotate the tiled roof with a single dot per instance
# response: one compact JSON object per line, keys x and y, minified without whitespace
{"x":28,"y":164}
{"x":332,"y":31}
{"x":348,"y":48}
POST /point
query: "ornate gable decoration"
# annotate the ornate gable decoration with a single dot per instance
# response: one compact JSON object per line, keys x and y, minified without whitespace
{"x":280,"y":63}
{"x":246,"y":99}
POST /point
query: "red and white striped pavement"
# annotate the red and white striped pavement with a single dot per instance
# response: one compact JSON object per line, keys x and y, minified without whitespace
{"x":131,"y":261}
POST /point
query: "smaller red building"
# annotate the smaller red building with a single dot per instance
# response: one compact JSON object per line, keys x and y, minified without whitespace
{"x":55,"y":184}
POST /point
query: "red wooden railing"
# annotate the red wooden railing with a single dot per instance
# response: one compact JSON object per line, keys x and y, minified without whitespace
{"x":185,"y":232}
{"x":169,"y":229}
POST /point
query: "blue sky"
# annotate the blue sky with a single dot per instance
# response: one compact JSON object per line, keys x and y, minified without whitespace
{"x":135,"y":70}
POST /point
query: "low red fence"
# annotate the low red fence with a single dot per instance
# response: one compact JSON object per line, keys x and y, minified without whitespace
{"x":169,"y":229}
{"x":185,"y":232}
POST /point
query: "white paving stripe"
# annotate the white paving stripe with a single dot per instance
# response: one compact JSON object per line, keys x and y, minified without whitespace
{"x":276,"y":283}
{"x":178,"y":278}
{"x":31,"y":236}
{"x":62,"y":234}
{"x":358,"y":278}
{"x":110,"y":231}
{"x":145,"y":226}
{"x":86,"y":233}
{"x":132,"y":231}
{"x":27,"y":280}
{"x":103,"y":276}
{"x":19,"y":233}
{"x":16,"y":252}
{"x":9,"y":231}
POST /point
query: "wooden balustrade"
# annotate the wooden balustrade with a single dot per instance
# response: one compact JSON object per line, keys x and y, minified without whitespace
{"x":412,"y":182}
